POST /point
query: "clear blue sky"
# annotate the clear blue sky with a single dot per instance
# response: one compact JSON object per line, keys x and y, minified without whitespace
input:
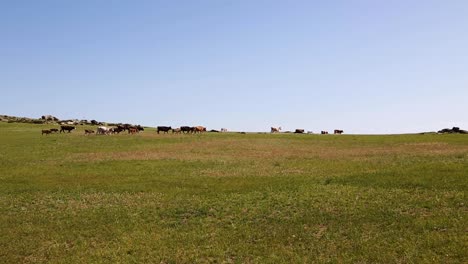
{"x":361,"y":66}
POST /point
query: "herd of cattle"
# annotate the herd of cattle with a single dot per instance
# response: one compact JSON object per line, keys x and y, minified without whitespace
{"x":301,"y":131}
{"x":184,"y":129}
{"x":103,"y":130}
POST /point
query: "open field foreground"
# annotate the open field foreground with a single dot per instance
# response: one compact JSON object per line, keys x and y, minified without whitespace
{"x":231,"y":198}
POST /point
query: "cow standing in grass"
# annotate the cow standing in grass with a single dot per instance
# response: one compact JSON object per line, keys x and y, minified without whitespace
{"x":102,"y":130}
{"x":125,"y":126}
{"x":66,"y":128}
{"x":133,"y":130}
{"x":164,"y":129}
{"x":186,"y":129}
{"x":199,"y":129}
{"x":117,"y":129}
{"x":46,"y":131}
{"x":275,"y":130}
{"x":120,"y":128}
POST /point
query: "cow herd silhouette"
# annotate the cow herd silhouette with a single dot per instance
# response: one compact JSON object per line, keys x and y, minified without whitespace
{"x":135,"y":129}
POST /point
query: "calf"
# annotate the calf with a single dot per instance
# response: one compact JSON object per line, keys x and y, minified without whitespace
{"x":324,"y":132}
{"x":176,"y":130}
{"x":133,"y":130}
{"x":46,"y":131}
{"x":54,"y":130}
{"x":299,"y":131}
{"x":88,"y":131}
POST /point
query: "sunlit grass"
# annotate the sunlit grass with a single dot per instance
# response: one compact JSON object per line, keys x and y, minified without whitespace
{"x":231,"y":198}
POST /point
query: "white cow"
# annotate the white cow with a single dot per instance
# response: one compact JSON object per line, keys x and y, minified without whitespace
{"x":102,"y":130}
{"x":275,"y":130}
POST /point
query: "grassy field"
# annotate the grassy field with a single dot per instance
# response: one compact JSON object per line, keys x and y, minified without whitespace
{"x":231,"y":198}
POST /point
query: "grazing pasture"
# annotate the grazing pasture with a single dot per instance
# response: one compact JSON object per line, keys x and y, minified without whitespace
{"x":232,"y":198}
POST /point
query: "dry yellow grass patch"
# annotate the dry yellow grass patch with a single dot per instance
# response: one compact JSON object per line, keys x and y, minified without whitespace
{"x":229,"y":150}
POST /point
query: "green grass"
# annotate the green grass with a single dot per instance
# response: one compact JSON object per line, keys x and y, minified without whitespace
{"x":232,"y":198}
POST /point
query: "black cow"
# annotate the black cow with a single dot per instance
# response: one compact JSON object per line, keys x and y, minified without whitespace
{"x":164,"y":129}
{"x":54,"y":130}
{"x":186,"y":129}
{"x":126,"y":126}
{"x":117,"y":129}
{"x":299,"y":131}
{"x":66,"y":128}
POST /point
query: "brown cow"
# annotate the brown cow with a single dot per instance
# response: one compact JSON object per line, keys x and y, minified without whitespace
{"x":176,"y":130}
{"x":132,"y":130}
{"x":88,"y":131}
{"x":54,"y":130}
{"x":46,"y":131}
{"x":199,"y":129}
